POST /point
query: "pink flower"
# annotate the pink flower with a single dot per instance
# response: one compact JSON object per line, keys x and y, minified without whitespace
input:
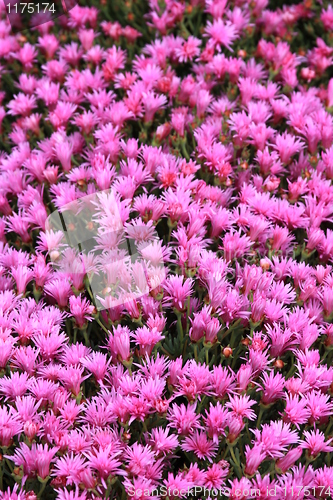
{"x":71,"y":495}
{"x":189,"y":49}
{"x":177,"y":291}
{"x":296,"y":410}
{"x":183,"y":418}
{"x":60,"y":290}
{"x":287,"y":145}
{"x":10,"y":426}
{"x":221,"y":34}
{"x":254,"y":457}
{"x":293,"y":455}
{"x":36,"y":459}
{"x":241,"y":406}
{"x":26,"y":55}
{"x":104,"y":462}
{"x":162,"y":442}
{"x":235,"y":245}
{"x":315,"y":443}
{"x":152,"y":103}
{"x":203,"y":448}
{"x":81,"y":309}
{"x":216,"y":421}
{"x":273,"y":385}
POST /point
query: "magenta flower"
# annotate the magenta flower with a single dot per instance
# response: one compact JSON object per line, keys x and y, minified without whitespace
{"x":193,"y":322}
{"x":315,"y":442}
{"x":202,"y":447}
{"x":221,"y":34}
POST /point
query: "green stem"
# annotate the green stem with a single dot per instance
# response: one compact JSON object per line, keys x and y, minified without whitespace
{"x":196,"y":352}
{"x":188,"y":314}
{"x":108,"y":491}
{"x":325,"y":356}
{"x":180,"y":327}
{"x":123,"y":494}
{"x":42,"y":488}
{"x":185,"y":346}
{"x":102,"y":326}
{"x":233,"y":454}
{"x":184,"y":151}
{"x":68,"y":327}
{"x":1,"y":474}
{"x":328,"y":428}
{"x":260,"y":416}
{"x":165,"y":351}
{"x":235,"y":461}
{"x":86,"y":338}
{"x":201,"y":404}
{"x":292,"y":368}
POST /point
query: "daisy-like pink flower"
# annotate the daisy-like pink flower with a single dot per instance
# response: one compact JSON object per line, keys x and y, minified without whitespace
{"x":319,"y":405}
{"x":138,"y":459}
{"x":81,"y":309}
{"x":286,"y":462}
{"x":70,"y":468}
{"x":254,"y":457}
{"x":72,"y":495}
{"x":177,"y":291}
{"x":60,"y":290}
{"x":200,"y":445}
{"x":235,"y":245}
{"x":216,"y":421}
{"x":177,"y":485}
{"x":241,"y":406}
{"x":183,"y":418}
{"x":104,"y":462}
{"x":221,"y":34}
{"x":162,"y":442}
{"x":296,"y":411}
{"x":36,"y":459}
{"x":273,"y":385}
{"x":10,"y":426}
{"x":189,"y":50}
{"x":287,"y":145}
{"x":315,"y":443}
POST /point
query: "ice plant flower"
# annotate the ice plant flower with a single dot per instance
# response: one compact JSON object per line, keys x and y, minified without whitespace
{"x":166,"y":250}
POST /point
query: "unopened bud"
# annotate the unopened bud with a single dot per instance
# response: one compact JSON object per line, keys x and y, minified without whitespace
{"x":265,"y":264}
{"x":162,"y":405}
{"x":279,"y":364}
{"x":127,"y":436}
{"x":313,"y":160}
{"x":227,"y":352}
{"x":54,"y":255}
{"x":31,"y":496}
{"x":30,"y":429}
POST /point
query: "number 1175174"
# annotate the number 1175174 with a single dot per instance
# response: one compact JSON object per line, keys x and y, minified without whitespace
{"x":30,"y":8}
{"x":308,"y":491}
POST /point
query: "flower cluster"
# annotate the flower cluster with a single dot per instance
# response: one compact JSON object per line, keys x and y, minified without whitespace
{"x":202,"y":130}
